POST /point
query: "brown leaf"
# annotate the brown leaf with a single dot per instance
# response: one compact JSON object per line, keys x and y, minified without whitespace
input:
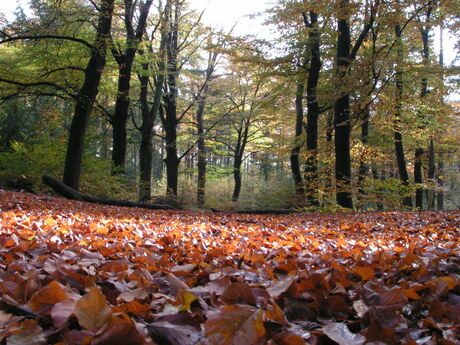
{"x":31,"y":334}
{"x":91,"y":310}
{"x":47,"y":297}
{"x":235,"y":324}
{"x":281,"y":286}
{"x":238,"y":292}
{"x":61,"y":311}
{"x":120,"y":332}
{"x":178,"y":329}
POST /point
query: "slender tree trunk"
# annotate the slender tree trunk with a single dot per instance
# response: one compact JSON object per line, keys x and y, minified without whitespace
{"x":125,"y":60}
{"x":243,"y":134}
{"x":201,"y":144}
{"x":87,"y":96}
{"x":440,"y":172}
{"x":431,"y":175}
{"x":311,"y":168}
{"x":201,"y":164}
{"x":440,"y":179}
{"x":398,"y":142}
{"x":363,"y":168}
{"x":149,"y":115}
{"x":170,"y":120}
{"x":237,"y":179}
{"x":294,"y":158}
{"x":420,"y":152}
{"x":342,"y":114}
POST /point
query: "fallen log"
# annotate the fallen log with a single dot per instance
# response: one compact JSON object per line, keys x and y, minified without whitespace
{"x":72,"y":194}
{"x":257,"y":211}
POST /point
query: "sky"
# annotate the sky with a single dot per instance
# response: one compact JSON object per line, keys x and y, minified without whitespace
{"x":218,"y":13}
{"x":225,"y":13}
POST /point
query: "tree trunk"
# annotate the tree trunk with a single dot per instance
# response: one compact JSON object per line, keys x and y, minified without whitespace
{"x":431,"y":175}
{"x":398,"y":142}
{"x":311,"y":168}
{"x":363,"y":168}
{"x":440,"y":179}
{"x":125,"y":60}
{"x":420,"y":152}
{"x":294,"y":158}
{"x":201,"y":164}
{"x":201,"y":144}
{"x":237,"y":178}
{"x":86,"y":97}
{"x":149,"y":115}
{"x":342,"y":112}
{"x":170,"y":120}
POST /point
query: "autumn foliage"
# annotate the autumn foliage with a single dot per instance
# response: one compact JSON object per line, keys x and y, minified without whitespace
{"x":78,"y":273}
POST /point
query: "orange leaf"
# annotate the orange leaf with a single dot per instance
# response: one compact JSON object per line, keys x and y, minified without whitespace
{"x":134,"y":307}
{"x":48,"y":296}
{"x":365,"y":272}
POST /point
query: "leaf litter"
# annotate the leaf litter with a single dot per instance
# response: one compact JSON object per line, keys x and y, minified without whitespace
{"x":79,"y":273}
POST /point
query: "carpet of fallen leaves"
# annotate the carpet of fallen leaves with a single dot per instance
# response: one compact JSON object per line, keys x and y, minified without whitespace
{"x":78,"y":273}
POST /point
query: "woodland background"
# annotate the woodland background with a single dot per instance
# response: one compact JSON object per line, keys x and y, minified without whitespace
{"x":347,"y":104}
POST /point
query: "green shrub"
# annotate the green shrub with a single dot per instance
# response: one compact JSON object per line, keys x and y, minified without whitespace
{"x":46,"y":155}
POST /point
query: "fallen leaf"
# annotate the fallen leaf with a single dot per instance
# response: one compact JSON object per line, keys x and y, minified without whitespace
{"x":235,"y":324}
{"x":340,"y":333}
{"x":92,"y":311}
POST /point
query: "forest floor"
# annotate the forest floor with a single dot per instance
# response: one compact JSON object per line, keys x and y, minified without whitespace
{"x":79,"y":273}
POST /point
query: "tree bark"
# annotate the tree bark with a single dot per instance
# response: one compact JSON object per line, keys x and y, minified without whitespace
{"x":342,"y":113}
{"x":294,"y":157}
{"x":419,"y":151}
{"x":86,"y":97}
{"x":431,"y":175}
{"x":440,"y":179}
{"x":125,"y":60}
{"x":398,"y":142}
{"x":150,"y":114}
{"x":311,"y":168}
{"x":201,"y":143}
{"x":363,"y":168}
{"x":169,"y":119}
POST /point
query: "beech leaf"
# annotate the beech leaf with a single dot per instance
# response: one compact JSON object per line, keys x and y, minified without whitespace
{"x":235,"y":324}
{"x":92,"y":311}
{"x":340,"y":333}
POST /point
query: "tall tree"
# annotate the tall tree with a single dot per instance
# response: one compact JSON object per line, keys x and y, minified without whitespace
{"x":398,"y":140}
{"x":342,"y":127}
{"x":87,"y":96}
{"x":201,"y":141}
{"x":425,"y":28}
{"x":313,"y":109}
{"x":124,"y":56}
{"x":150,"y":113}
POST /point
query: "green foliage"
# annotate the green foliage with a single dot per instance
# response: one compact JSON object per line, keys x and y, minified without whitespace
{"x":45,"y":155}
